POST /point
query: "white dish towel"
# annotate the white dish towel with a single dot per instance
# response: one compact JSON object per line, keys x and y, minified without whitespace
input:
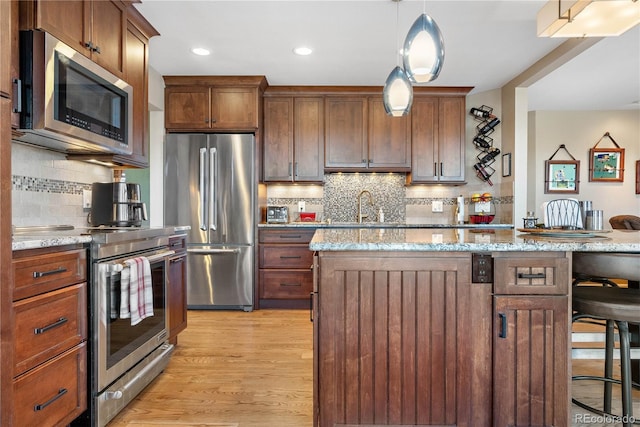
{"x":136,"y":290}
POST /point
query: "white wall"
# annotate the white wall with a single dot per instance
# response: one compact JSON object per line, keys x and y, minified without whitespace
{"x":156,"y":148}
{"x":579,"y":131}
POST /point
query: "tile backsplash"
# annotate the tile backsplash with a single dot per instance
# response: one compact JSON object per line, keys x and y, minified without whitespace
{"x":47,"y":188}
{"x":337,"y":198}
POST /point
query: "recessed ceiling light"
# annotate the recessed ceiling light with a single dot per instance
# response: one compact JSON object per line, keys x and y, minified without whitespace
{"x":200,"y":51}
{"x":303,"y":51}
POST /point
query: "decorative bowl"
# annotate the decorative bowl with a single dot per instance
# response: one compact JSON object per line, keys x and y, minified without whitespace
{"x":481,"y":219}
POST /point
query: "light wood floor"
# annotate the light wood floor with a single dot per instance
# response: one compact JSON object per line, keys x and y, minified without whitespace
{"x":232,"y":368}
{"x":237,"y":369}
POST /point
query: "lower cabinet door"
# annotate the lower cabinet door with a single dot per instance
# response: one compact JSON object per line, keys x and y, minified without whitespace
{"x":531,"y":361}
{"x":54,"y":393}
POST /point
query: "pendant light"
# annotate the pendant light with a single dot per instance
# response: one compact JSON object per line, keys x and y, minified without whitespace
{"x":423,"y":52}
{"x":397,"y":95}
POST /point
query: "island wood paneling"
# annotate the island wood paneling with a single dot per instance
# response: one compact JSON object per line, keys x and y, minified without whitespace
{"x":403,"y":341}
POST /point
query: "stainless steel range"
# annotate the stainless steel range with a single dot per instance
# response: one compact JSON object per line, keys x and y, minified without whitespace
{"x":124,"y":358}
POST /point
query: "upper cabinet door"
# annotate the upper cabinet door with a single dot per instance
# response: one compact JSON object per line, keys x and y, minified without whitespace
{"x":389,"y":139}
{"x":108,"y":35}
{"x":234,"y":108}
{"x":96,"y":29}
{"x":187,"y":107}
{"x":437,"y":138}
{"x":346,"y":133}
{"x":308,"y":139}
{"x":68,"y":21}
{"x":451,"y":139}
{"x":278,"y":139}
{"x":424,"y":137}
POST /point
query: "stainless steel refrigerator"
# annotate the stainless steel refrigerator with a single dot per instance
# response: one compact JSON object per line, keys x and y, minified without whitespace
{"x":209,"y":184}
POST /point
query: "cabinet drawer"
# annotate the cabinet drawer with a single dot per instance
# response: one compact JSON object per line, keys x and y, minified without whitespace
{"x":55,"y":393}
{"x":276,"y":256}
{"x":41,"y":273}
{"x":285,"y":284}
{"x":286,"y":236}
{"x":48,"y":324}
{"x":534,"y":274}
{"x":178,"y":243}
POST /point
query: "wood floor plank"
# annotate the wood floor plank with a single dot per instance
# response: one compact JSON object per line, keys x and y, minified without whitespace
{"x":232,"y":369}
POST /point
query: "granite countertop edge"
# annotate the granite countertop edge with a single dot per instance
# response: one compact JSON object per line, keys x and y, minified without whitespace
{"x":45,"y":239}
{"x":457,"y":240}
{"x":381,"y":225}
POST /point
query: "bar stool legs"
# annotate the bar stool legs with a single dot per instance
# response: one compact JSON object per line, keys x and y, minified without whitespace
{"x":625,"y":382}
{"x":625,"y":372}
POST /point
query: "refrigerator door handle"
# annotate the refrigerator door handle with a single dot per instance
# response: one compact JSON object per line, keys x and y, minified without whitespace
{"x":201,"y":191}
{"x":213,"y":251}
{"x":213,"y":188}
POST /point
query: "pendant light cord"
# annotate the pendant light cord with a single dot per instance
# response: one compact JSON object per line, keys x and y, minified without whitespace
{"x":397,"y":32}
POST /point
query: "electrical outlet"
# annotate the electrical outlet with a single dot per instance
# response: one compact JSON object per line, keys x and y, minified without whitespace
{"x":86,"y":199}
{"x":301,"y":206}
{"x":436,"y":206}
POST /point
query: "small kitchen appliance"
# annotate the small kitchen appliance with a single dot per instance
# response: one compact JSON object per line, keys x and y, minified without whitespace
{"x":116,"y":204}
{"x":277,"y":214}
{"x":70,"y":103}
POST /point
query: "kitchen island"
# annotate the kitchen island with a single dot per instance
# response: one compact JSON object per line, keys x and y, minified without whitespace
{"x":445,"y":326}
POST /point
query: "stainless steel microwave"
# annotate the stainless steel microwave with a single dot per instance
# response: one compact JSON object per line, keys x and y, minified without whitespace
{"x":68,"y":102}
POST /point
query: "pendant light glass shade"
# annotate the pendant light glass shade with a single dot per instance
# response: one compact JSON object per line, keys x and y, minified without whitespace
{"x":397,"y":95}
{"x":423,"y":52}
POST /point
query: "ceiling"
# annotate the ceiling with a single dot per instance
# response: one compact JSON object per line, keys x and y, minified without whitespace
{"x":487,"y":44}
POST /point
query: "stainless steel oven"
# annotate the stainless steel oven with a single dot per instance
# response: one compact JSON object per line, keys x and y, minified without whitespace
{"x":125,"y":357}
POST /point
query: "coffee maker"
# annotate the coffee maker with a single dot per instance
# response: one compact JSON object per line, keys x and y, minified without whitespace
{"x":116,"y":204}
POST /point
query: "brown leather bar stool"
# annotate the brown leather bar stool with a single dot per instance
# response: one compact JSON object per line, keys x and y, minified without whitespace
{"x":614,"y":305}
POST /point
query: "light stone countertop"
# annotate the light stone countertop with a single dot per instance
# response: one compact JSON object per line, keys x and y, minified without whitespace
{"x":443,"y":240}
{"x":48,"y":238}
{"x":389,"y":225}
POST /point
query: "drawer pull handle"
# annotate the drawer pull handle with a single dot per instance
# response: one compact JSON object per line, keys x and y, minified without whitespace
{"x":37,"y":274}
{"x":61,"y":321}
{"x":284,"y":236}
{"x":40,"y":407}
{"x":531,"y":275}
{"x":177,"y":260}
{"x":290,"y":284}
{"x":503,"y":325}
{"x":290,"y":257}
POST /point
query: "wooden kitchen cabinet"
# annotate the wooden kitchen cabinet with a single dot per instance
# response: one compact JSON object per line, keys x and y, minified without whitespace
{"x":402,"y":339}
{"x":285,"y":276}
{"x":531,"y":327}
{"x":213,"y":103}
{"x":360,"y":136}
{"x":49,"y":335}
{"x":437,"y":140}
{"x":293,"y":139}
{"x":96,"y":29}
{"x":177,"y":287}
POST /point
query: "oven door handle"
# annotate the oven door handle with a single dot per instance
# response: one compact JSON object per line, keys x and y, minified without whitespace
{"x":213,"y":251}
{"x":153,"y":258}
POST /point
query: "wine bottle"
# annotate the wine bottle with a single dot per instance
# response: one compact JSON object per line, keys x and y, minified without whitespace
{"x":482,"y":173}
{"x":488,"y":126}
{"x":480,"y":113}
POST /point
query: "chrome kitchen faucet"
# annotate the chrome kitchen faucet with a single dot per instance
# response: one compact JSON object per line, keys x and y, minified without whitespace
{"x":361,"y":216}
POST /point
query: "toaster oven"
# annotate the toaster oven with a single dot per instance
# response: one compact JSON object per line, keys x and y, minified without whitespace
{"x":277,"y":214}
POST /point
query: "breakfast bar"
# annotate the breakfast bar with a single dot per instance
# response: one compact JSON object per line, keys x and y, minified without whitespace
{"x":459,"y":327}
